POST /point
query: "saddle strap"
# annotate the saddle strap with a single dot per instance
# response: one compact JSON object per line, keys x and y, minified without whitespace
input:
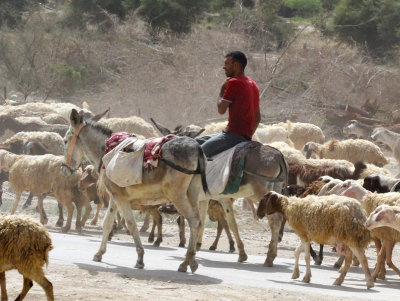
{"x":180,"y":168}
{"x":277,"y":179}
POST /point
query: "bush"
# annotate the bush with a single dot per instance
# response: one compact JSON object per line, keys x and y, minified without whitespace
{"x":375,"y":24}
{"x":11,"y":10}
{"x":300,"y":8}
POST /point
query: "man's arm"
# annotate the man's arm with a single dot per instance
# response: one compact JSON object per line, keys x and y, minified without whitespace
{"x":223,"y":105}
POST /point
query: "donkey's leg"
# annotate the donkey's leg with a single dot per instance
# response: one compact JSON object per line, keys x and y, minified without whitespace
{"x":227,"y":204}
{"x":60,"y":220}
{"x":182,"y":238}
{"x":107,"y":227}
{"x":96,"y":217}
{"x":88,"y":209}
{"x":70,"y":209}
{"x":203,"y":206}
{"x":126,"y":211}
{"x":43,"y":216}
{"x":275,"y":221}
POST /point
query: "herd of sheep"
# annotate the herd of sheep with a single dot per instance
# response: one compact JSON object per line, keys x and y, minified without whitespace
{"x":339,"y":192}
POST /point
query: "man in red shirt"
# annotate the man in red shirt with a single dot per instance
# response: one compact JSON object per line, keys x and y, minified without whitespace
{"x":239,"y":94}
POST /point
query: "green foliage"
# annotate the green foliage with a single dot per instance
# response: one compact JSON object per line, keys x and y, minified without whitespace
{"x":373,"y":23}
{"x":175,"y":16}
{"x":301,"y":8}
{"x":70,"y":76}
{"x":329,"y":5}
{"x":130,"y":4}
{"x":11,"y":10}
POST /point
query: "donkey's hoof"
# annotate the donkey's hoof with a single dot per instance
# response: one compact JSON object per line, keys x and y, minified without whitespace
{"x":194,"y":266}
{"x":151,"y":239}
{"x":337,"y":266}
{"x":198,"y":246}
{"x":213,"y":248}
{"x":317,"y":260}
{"x":157,"y":243}
{"x":59,"y":223}
{"x":181,"y":245}
{"x":64,"y":229}
{"x":268,"y":264}
{"x":242,"y":257}
{"x":97,"y":257}
{"x":182,"y":268}
{"x":139,"y":265}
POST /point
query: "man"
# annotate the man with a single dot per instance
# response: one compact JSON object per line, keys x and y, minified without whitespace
{"x":241,"y":95}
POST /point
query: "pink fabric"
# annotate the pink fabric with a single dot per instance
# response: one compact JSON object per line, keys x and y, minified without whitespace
{"x":153,"y":150}
{"x":115,"y":139}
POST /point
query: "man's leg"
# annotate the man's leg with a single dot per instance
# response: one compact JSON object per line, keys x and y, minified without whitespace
{"x":220,"y":142}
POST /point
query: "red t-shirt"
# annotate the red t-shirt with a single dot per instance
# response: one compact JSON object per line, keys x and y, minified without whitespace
{"x":243,"y":94}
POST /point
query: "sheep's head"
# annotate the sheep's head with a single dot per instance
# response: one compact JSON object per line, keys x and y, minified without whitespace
{"x":378,"y":133}
{"x":384,"y":216}
{"x":269,"y":204}
{"x":311,"y":150}
{"x":350,"y":127}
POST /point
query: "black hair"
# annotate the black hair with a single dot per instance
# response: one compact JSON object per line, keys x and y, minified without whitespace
{"x":239,"y":57}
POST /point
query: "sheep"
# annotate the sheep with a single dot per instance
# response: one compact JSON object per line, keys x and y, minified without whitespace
{"x":301,"y":133}
{"x":305,"y":174}
{"x":14,"y":125}
{"x":132,"y":124}
{"x":352,"y":150}
{"x":382,"y":236}
{"x":358,"y":129}
{"x":24,"y":245}
{"x":379,"y":183}
{"x":389,"y":138}
{"x":291,"y":154}
{"x":46,"y":175}
{"x":19,"y":143}
{"x":325,"y":220}
{"x":384,"y":216}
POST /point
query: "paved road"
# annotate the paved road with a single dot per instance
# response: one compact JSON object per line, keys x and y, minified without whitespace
{"x":217,"y":267}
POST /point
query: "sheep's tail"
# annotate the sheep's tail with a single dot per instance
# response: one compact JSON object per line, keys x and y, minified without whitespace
{"x":359,"y":167}
{"x":46,"y":254}
{"x":201,"y":167}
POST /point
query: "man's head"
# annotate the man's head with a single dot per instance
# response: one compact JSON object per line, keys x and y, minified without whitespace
{"x":235,"y":62}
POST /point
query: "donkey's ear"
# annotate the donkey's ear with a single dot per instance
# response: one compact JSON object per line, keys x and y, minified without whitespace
{"x":195,"y":134}
{"x":75,"y":118}
{"x":162,"y":129}
{"x":99,"y":116}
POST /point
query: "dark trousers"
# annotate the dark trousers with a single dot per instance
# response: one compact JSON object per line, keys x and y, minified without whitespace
{"x":217,"y":143}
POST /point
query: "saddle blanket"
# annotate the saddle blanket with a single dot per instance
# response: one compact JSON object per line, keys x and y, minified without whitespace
{"x":224,"y":173}
{"x":126,"y":156}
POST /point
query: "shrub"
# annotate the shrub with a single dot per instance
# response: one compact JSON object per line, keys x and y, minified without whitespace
{"x":300,"y":8}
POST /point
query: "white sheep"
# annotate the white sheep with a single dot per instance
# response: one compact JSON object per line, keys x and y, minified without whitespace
{"x":330,"y":220}
{"x":389,"y":138}
{"x":133,"y":124}
{"x":352,"y":150}
{"x":291,"y":154}
{"x":384,"y":216}
{"x":53,"y":142}
{"x":300,"y":133}
{"x":24,"y":245}
{"x":46,"y":175}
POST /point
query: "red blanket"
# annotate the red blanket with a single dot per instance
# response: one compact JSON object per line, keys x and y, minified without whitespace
{"x":153,"y":150}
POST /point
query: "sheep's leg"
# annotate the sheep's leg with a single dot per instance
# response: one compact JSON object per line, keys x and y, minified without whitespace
{"x":146,"y":223}
{"x":88,"y":209}
{"x":228,"y":233}
{"x":16,"y":201}
{"x":380,"y":261}
{"x":70,"y":209}
{"x":43,"y":216}
{"x":28,"y":201}
{"x":96,"y":217}
{"x":159,"y":227}
{"x":382,"y":271}
{"x":152,"y":231}
{"x":78,"y":225}
{"x":230,"y":216}
{"x":297,"y":252}
{"x":182,"y":238}
{"x":251,"y":205}
{"x":364,"y":263}
{"x":25,"y":289}
{"x":126,"y":211}
{"x":275,"y":221}
{"x":215,"y":243}
{"x":203,"y":207}
{"x":107,"y":227}
{"x":37,"y":275}
{"x":339,"y":262}
{"x":3,"y":286}
{"x":307,"y":276}
{"x":343,"y":271}
{"x":389,"y":251}
{"x":60,"y":220}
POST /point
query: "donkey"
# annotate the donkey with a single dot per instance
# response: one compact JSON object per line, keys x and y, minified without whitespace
{"x":179,"y":178}
{"x":265,"y":169}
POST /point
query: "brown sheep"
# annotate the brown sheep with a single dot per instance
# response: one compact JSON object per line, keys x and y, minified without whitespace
{"x":326,"y":220}
{"x":25,"y":246}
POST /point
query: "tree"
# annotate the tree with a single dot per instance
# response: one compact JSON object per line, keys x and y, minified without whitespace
{"x":11,"y":10}
{"x":176,"y":16}
{"x":373,"y":23}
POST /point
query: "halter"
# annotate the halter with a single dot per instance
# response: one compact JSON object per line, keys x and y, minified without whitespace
{"x":72,"y":143}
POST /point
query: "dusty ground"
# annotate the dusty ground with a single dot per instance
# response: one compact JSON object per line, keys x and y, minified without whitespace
{"x":73,"y":283}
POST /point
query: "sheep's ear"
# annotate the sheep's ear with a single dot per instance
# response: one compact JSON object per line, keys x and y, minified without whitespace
{"x":75,"y":118}
{"x":380,"y":216}
{"x":162,"y":129}
{"x":99,"y":116}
